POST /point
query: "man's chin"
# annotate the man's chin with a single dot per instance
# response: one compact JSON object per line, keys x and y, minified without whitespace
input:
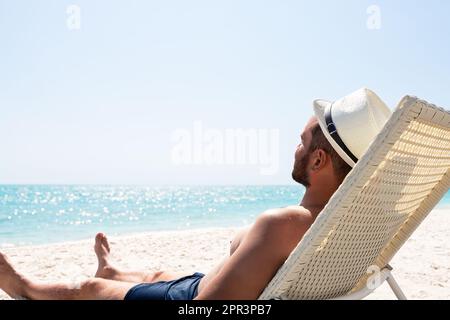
{"x":294,"y":177}
{"x":300,"y":179}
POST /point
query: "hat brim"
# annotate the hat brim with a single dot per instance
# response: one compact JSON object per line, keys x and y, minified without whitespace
{"x":319,"y":109}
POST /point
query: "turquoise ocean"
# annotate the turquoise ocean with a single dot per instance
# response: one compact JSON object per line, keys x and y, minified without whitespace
{"x":40,"y":214}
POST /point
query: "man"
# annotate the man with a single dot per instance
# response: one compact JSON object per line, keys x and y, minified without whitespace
{"x":327,"y":152}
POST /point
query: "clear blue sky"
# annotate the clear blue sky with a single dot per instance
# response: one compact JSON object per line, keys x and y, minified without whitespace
{"x":99,"y":104}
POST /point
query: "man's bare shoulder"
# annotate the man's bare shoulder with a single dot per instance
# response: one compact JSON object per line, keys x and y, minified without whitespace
{"x":286,"y":225}
{"x":293,"y":216}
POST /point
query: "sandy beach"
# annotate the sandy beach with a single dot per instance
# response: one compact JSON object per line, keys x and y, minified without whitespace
{"x":422,"y":267}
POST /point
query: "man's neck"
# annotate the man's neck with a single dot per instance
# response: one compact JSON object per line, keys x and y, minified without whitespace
{"x":317,"y":197}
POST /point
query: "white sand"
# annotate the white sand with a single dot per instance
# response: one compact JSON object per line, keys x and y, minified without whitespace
{"x":422,"y":267}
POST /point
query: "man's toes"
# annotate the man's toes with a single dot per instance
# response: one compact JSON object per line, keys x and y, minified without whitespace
{"x":106,"y":243}
{"x":99,"y":237}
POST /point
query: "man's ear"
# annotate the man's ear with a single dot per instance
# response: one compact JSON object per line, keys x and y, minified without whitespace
{"x":319,"y":159}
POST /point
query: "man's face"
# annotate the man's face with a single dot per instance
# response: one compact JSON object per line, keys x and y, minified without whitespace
{"x":300,"y":172}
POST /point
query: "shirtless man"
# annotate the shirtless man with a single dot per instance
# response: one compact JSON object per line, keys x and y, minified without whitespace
{"x":322,"y":161}
{"x":255,"y":254}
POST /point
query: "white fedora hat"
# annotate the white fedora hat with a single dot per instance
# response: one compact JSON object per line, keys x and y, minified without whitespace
{"x":351,"y":124}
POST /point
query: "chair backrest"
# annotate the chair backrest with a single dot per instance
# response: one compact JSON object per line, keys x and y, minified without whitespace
{"x":401,"y":177}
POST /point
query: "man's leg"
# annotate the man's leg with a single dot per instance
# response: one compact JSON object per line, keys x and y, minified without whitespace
{"x":16,"y":285}
{"x":92,"y":289}
{"x":106,"y":271}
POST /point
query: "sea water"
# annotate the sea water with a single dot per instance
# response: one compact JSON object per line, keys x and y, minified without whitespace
{"x":39,"y":214}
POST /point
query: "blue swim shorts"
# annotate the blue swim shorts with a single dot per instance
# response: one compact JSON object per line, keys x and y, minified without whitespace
{"x":185,"y":288}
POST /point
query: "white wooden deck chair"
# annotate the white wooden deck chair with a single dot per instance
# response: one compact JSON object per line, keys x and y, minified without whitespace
{"x":401,"y":177}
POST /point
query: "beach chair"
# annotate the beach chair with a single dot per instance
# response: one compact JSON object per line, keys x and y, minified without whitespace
{"x":401,"y":177}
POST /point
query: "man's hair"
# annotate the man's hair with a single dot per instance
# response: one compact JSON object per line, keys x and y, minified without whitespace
{"x":318,"y":141}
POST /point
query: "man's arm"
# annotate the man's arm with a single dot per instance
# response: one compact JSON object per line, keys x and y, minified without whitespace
{"x":262,"y":251}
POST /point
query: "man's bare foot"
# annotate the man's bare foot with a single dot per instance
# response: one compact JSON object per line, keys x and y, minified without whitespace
{"x":11,"y":281}
{"x":102,"y":250}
